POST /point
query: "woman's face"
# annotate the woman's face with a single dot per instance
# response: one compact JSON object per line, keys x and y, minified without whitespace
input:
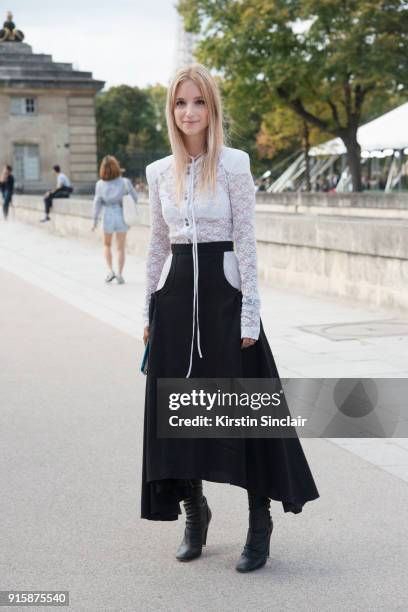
{"x":190,"y":111}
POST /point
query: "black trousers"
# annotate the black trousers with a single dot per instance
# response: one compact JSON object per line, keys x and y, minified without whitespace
{"x":7,"y":196}
{"x":272,"y":467}
{"x":61,"y":192}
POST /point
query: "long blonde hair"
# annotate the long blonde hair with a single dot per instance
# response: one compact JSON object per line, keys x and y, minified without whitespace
{"x":215,"y":130}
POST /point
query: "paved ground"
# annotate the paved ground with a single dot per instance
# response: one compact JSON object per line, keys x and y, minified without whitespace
{"x":70,"y":444}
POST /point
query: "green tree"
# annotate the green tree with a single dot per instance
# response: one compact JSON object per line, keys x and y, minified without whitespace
{"x":242,"y":120}
{"x":341,"y":53}
{"x":157,"y":94}
{"x":129,"y":126}
{"x":282,"y":130}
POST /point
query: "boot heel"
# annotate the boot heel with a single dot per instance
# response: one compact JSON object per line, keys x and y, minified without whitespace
{"x":205,"y":536}
{"x":209,"y":515}
{"x":269,"y":540}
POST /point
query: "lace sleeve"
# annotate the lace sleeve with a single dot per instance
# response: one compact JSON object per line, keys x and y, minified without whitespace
{"x":242,"y":196}
{"x":159,"y":243}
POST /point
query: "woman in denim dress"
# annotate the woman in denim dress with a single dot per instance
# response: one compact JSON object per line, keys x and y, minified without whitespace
{"x":109,"y":192}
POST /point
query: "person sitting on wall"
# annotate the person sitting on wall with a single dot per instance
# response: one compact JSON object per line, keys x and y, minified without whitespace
{"x":7,"y":188}
{"x":63,"y":190}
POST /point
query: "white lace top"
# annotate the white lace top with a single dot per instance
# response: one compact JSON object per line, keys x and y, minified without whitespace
{"x":230,"y":215}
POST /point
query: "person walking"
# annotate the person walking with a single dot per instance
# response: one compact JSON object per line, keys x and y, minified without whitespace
{"x":62,"y":190}
{"x":109,"y":193}
{"x":202,"y":319}
{"x":7,"y":188}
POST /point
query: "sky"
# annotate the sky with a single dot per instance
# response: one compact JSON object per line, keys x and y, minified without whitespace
{"x":121,"y":41}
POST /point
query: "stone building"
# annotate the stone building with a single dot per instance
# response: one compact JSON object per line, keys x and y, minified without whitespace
{"x":47,"y":116}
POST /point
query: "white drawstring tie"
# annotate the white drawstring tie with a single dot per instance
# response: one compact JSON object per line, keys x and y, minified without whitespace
{"x":195,"y":269}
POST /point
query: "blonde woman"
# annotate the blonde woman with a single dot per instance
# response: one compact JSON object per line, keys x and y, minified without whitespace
{"x":109,"y":193}
{"x":202,"y":320}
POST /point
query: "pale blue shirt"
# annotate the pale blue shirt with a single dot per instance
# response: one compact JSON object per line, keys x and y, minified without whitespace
{"x":111,"y":193}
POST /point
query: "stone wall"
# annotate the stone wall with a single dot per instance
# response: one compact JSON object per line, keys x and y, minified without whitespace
{"x":362,"y":258}
{"x":366,"y":204}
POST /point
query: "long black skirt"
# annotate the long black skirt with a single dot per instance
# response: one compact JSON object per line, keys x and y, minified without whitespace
{"x":273,"y":467}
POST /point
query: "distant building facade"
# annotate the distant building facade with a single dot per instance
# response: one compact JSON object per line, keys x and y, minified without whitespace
{"x":47,"y":116}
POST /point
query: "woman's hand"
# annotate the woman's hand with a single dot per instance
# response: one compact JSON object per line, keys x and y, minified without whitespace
{"x":247,"y":342}
{"x":145,"y":335}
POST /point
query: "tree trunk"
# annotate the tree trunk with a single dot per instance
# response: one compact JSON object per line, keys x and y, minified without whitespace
{"x":353,"y":159}
{"x":306,"y":151}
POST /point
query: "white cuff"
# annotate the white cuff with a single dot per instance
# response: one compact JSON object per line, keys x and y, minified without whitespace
{"x":250,"y":332}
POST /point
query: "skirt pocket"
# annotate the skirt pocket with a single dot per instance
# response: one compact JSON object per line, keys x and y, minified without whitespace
{"x":229,"y":272}
{"x":167,"y":285}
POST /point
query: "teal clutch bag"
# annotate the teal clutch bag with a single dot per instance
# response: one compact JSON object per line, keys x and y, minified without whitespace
{"x":143,"y":367}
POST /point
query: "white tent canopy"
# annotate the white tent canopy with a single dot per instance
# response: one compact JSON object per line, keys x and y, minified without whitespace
{"x":390,"y":131}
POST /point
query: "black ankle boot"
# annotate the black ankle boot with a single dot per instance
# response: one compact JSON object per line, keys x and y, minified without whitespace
{"x":256,"y":549}
{"x":198,"y":516}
